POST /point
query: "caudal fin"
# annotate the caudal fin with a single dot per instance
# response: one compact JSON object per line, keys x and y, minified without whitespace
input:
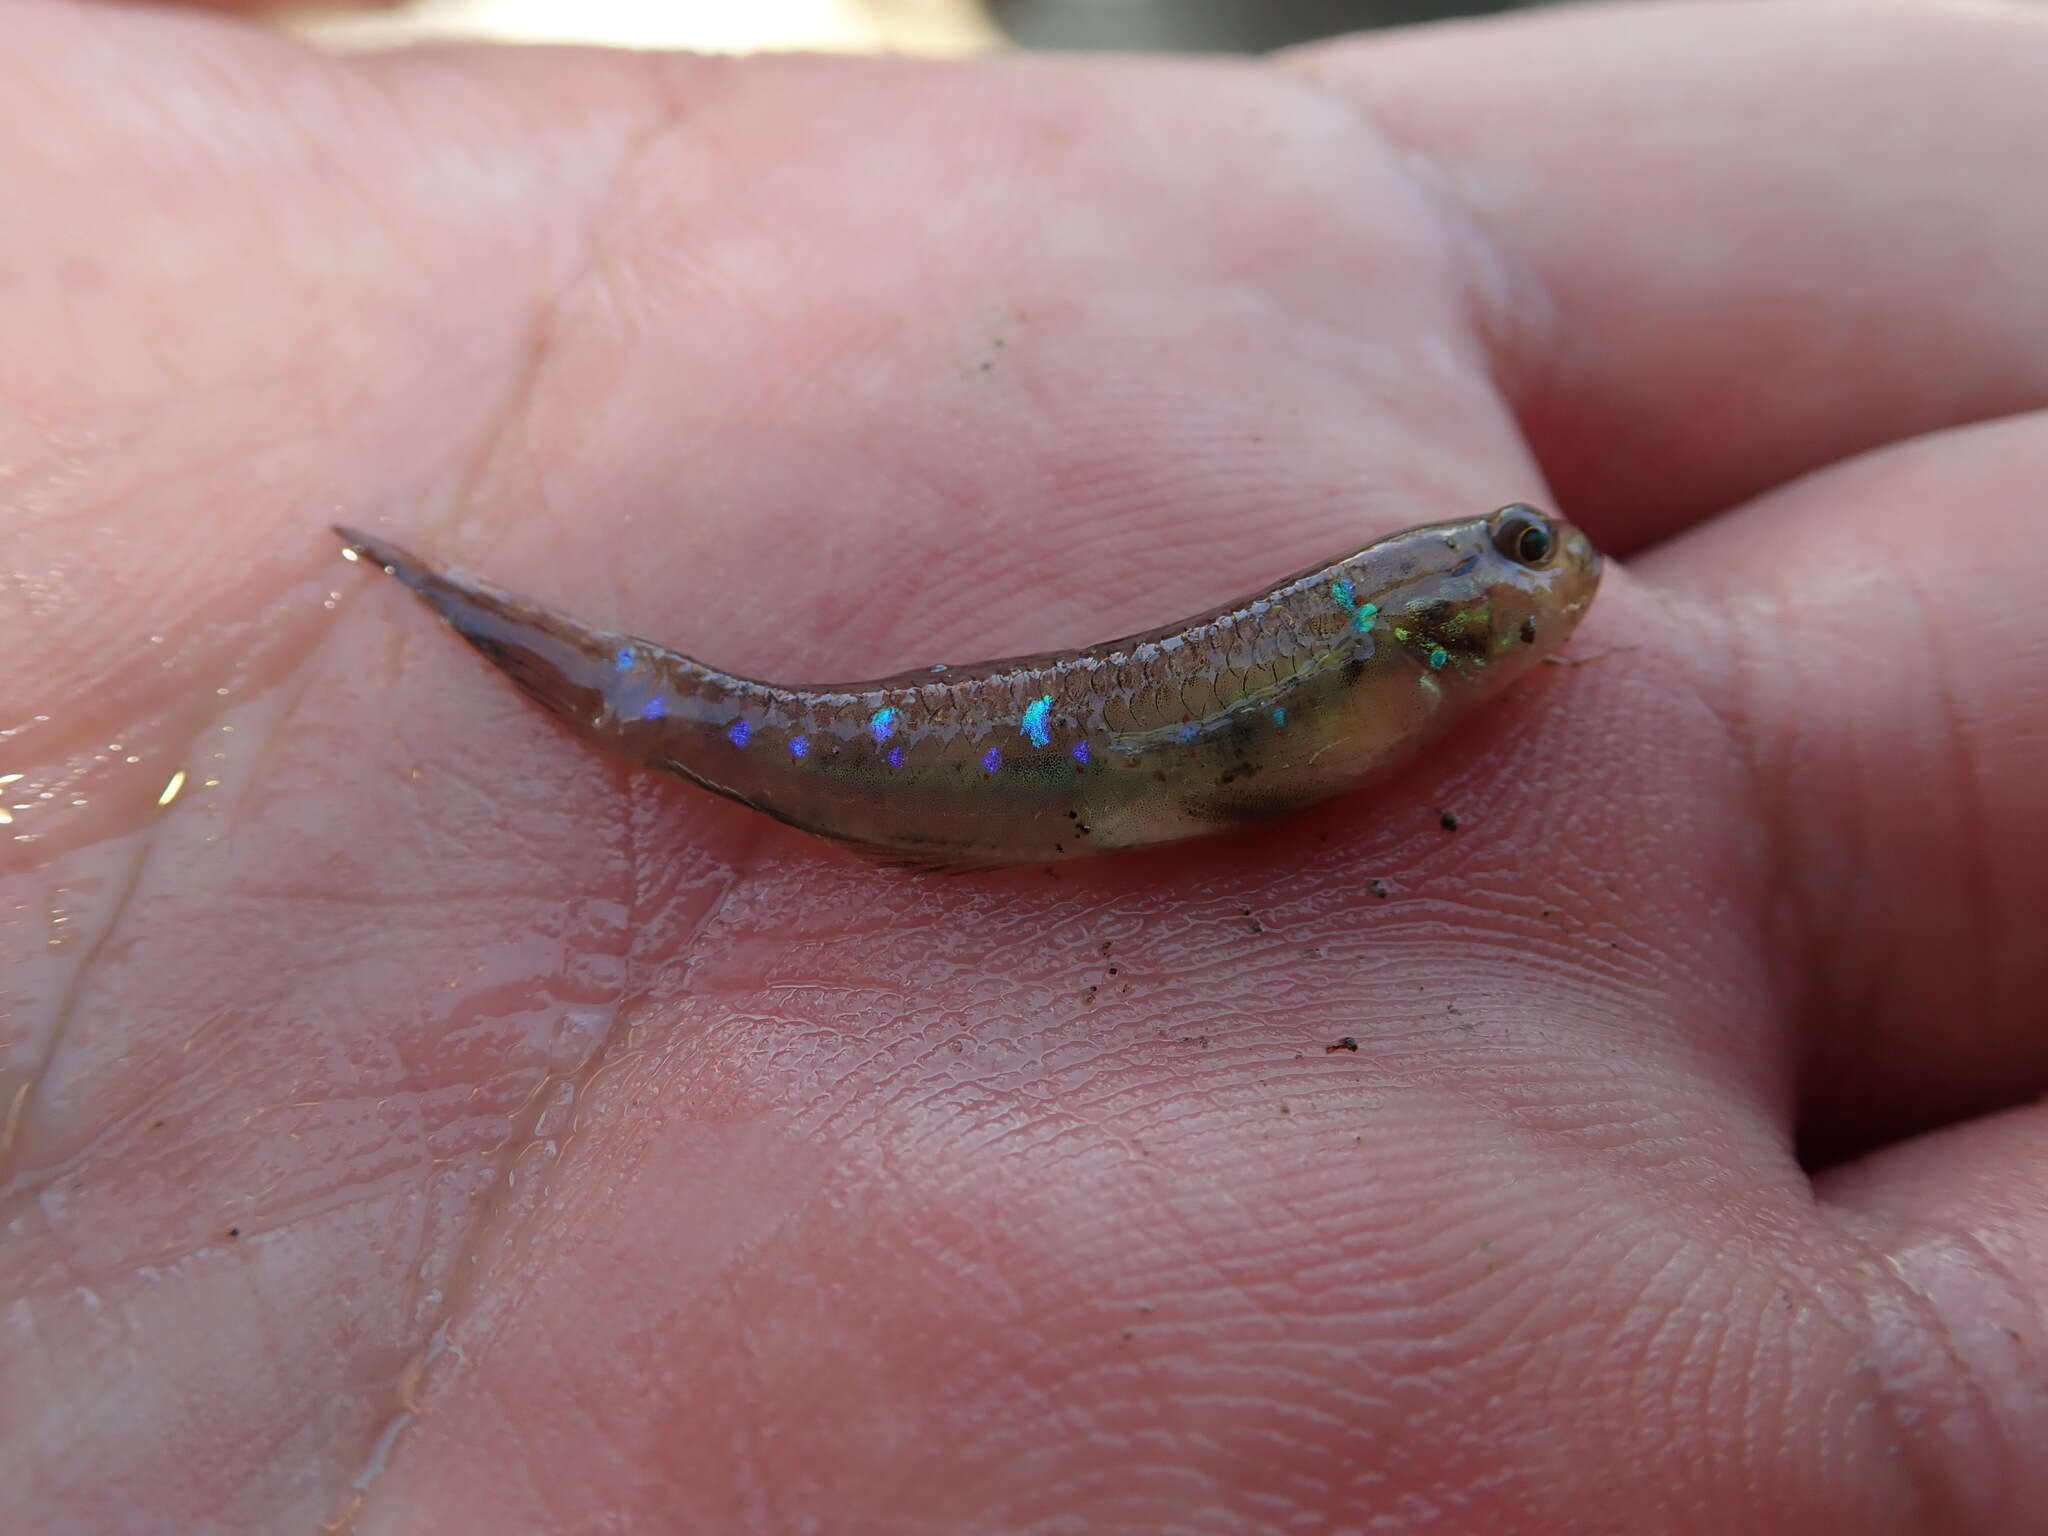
{"x":562,"y":665}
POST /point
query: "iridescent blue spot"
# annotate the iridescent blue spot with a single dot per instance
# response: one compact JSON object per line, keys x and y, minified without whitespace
{"x":654,"y":709}
{"x":991,"y":760}
{"x":625,"y":658}
{"x":1340,"y":589}
{"x":883,"y":724}
{"x":1438,"y":657}
{"x":1280,"y":718}
{"x":1036,"y":725}
{"x":895,"y":757}
{"x":1080,"y":751}
{"x":739,"y":732}
{"x":799,"y":745}
{"x":1365,"y":614}
{"x":1189,"y":731}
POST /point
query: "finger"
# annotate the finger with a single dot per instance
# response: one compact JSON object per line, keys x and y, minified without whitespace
{"x":1954,"y":1227}
{"x":1722,"y":245}
{"x":1871,"y":637}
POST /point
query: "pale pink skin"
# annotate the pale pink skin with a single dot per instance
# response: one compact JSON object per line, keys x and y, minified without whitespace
{"x":431,"y":1127}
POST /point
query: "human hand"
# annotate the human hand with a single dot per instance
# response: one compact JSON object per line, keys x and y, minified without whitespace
{"x":421,"y":1124}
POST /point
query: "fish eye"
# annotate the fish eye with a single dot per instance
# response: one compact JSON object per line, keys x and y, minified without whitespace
{"x":1524,"y":535}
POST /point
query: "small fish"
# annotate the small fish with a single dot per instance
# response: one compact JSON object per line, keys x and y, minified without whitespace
{"x":1335,"y":677}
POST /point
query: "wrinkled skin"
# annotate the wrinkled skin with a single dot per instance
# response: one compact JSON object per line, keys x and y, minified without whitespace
{"x":421,"y":1125}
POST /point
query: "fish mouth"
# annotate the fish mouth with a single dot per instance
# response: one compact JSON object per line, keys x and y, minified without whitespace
{"x":1586,"y":561}
{"x":1583,"y":554}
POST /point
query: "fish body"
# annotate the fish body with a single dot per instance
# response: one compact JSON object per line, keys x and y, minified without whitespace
{"x":1332,"y":678}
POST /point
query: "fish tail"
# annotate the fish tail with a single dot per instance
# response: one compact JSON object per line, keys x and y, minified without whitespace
{"x":560,"y":664}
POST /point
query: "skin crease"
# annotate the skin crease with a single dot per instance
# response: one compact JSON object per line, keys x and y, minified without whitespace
{"x":421,"y":1125}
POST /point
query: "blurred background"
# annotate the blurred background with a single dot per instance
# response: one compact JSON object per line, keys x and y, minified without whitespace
{"x":910,"y":26}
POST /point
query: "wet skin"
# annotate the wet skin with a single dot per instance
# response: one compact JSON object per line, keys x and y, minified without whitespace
{"x":421,"y":1123}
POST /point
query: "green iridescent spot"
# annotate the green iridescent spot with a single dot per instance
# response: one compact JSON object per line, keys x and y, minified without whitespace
{"x":1346,"y":597}
{"x":1037,"y":725}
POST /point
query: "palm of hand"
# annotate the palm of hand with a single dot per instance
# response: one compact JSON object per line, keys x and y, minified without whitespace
{"x":415,"y":1087}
